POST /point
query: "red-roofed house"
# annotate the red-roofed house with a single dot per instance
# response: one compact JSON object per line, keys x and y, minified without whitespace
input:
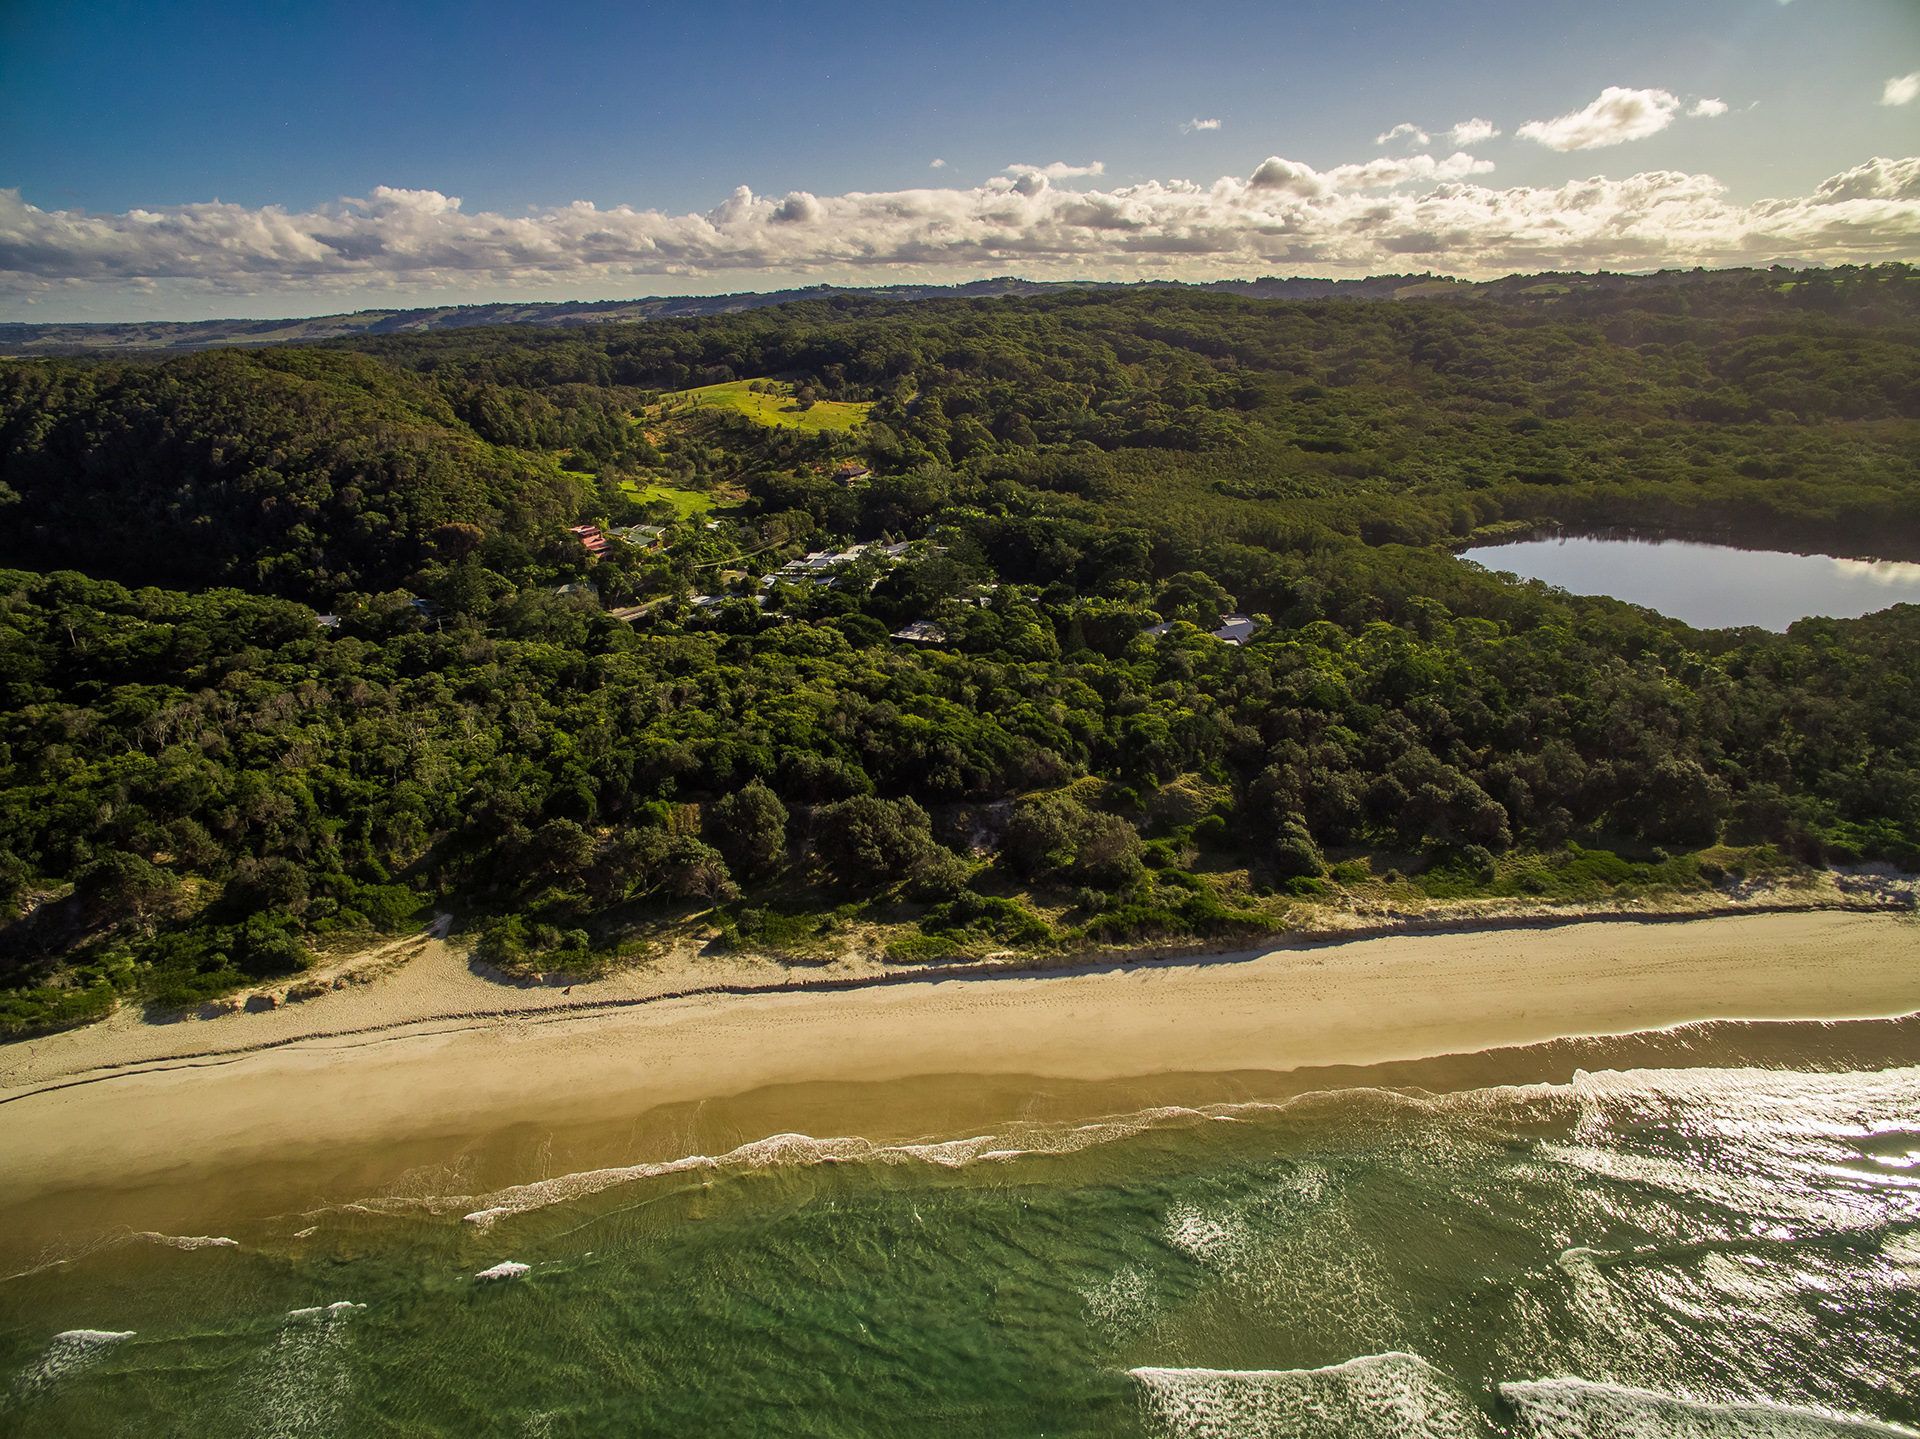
{"x":591,"y":540}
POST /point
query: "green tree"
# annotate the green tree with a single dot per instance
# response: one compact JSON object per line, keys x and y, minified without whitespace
{"x":750,"y":827}
{"x":865,"y":842}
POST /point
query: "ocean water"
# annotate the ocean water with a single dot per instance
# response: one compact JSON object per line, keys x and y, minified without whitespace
{"x":1725,"y":1250}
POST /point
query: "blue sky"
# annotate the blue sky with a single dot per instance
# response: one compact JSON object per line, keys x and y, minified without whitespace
{"x":307,"y":123}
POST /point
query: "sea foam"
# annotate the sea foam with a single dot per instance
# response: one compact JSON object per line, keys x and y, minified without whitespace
{"x":300,"y":1384}
{"x":797,"y":1150}
{"x":338,"y":1308}
{"x":67,"y":1353}
{"x":189,"y":1241}
{"x":1391,"y":1394}
{"x":1578,"y":1409}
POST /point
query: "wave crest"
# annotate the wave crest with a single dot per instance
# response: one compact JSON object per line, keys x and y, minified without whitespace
{"x":1392,"y":1394}
{"x":1580,"y":1409}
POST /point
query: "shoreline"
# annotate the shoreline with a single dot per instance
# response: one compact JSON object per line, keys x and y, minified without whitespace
{"x":549,"y":998}
{"x":315,"y":1117}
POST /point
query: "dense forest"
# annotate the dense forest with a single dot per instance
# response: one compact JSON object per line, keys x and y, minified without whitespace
{"x":203,"y":780}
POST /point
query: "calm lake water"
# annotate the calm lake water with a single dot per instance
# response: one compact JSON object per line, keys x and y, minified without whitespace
{"x":1701,"y":1253}
{"x":1710,"y":586}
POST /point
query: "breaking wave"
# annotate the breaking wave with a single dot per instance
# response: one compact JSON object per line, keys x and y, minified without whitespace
{"x":302,"y":1382}
{"x":1392,"y":1394}
{"x":1578,"y":1409}
{"x":797,"y":1150}
{"x":67,"y":1353}
{"x":189,"y":1241}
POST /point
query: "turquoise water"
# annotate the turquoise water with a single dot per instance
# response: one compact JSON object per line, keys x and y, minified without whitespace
{"x":1710,"y":586}
{"x":1719,"y":1251}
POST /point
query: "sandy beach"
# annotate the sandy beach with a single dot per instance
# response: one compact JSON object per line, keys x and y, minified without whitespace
{"x":412,"y":1060}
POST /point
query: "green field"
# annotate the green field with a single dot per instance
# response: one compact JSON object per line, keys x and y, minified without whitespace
{"x":775,"y":406}
{"x":687,"y":504}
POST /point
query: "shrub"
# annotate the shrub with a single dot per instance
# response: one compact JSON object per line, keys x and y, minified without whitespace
{"x":750,"y":828}
{"x":384,"y":906}
{"x":938,"y":874}
{"x":979,"y":914}
{"x":862,"y":840}
{"x":1295,"y":853}
{"x":922,"y":948}
{"x":1057,"y":839}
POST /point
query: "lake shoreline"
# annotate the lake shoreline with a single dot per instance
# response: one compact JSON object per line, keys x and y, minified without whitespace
{"x":1720,"y":535}
{"x":1702,"y":583}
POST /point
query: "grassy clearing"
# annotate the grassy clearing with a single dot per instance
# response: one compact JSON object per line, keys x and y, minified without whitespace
{"x":770,"y":402}
{"x":687,"y":504}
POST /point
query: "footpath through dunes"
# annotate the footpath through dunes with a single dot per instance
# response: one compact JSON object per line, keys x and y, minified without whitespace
{"x":402,"y":1083}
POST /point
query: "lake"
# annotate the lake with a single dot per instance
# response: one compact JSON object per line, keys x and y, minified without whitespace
{"x":1710,"y":586}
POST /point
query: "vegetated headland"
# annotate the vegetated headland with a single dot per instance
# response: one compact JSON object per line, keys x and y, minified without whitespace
{"x":935,"y":629}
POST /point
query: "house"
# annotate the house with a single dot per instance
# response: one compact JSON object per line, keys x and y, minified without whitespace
{"x":922,"y":632}
{"x":851,"y":472}
{"x":327,"y":622}
{"x":820,"y":567}
{"x":982,"y":596}
{"x":426,"y":609}
{"x":591,"y":540}
{"x":646,"y":537}
{"x":1232,"y":629}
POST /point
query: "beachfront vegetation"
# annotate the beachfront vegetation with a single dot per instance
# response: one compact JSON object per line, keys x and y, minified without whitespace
{"x":202,"y":785}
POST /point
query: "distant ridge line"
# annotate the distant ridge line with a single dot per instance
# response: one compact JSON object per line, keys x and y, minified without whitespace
{"x":90,"y":337}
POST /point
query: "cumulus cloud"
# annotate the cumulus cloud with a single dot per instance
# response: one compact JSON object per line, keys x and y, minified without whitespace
{"x":1390,"y":213}
{"x":1059,"y":170}
{"x":1471,"y":132}
{"x":936,"y":164}
{"x":1901,"y":89}
{"x":1405,"y":130}
{"x":1704,"y":109}
{"x":1188,"y":127}
{"x":1615,"y":117}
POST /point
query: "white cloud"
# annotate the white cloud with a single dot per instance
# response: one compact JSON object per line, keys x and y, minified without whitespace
{"x":1188,"y":127}
{"x":1387,"y":214}
{"x":1616,"y":116}
{"x":1901,"y":89}
{"x":1704,"y":109}
{"x":1405,"y":130}
{"x":1878,"y":179}
{"x":936,"y":164}
{"x":1471,"y":132}
{"x":1059,"y":170}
